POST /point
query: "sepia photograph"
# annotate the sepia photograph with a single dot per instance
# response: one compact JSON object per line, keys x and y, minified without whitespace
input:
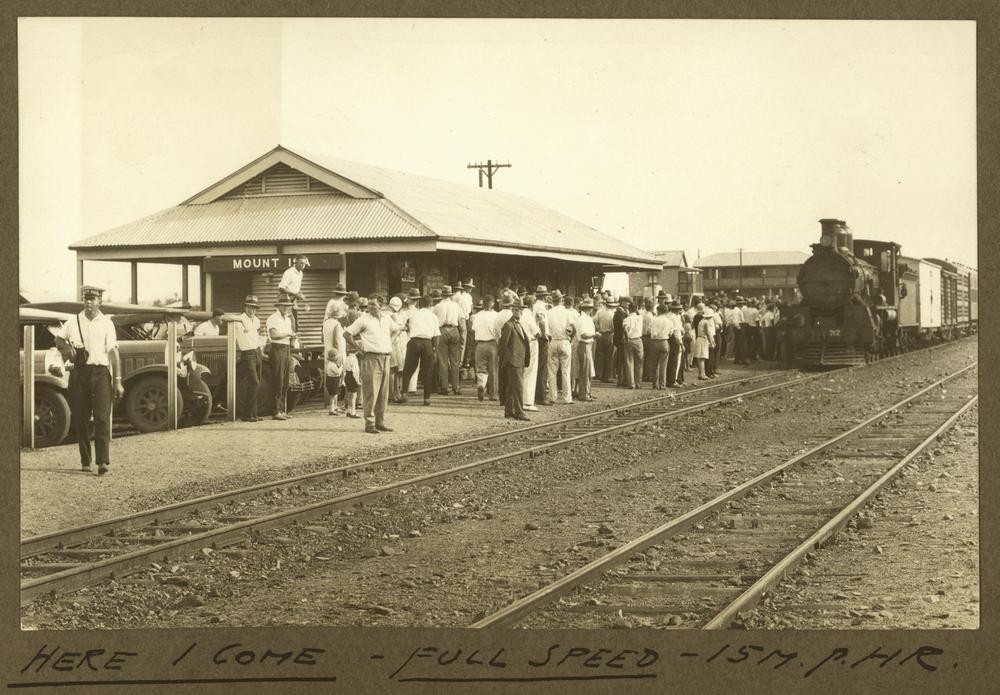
{"x":538,"y":324}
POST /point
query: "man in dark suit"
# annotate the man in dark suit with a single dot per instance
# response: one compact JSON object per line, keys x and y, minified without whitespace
{"x":514,"y":356}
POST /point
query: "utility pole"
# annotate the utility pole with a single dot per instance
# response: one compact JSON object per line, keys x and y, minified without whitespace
{"x":741,"y":272}
{"x":489,"y":169}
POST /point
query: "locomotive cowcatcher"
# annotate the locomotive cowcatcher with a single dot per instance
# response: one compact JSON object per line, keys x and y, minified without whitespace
{"x":848,"y":314}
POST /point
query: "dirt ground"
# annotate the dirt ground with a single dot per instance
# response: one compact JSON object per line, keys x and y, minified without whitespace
{"x":446,"y":555}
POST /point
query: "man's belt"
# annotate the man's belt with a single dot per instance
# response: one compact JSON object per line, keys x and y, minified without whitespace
{"x":486,"y":341}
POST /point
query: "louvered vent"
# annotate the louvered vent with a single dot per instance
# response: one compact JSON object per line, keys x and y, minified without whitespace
{"x":280,"y":179}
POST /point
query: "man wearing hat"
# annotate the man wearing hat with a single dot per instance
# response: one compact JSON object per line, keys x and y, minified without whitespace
{"x":412,"y":304}
{"x":290,"y":285}
{"x":250,"y":353}
{"x":337,"y":304}
{"x":424,"y":332}
{"x":449,"y":350}
{"x":584,"y":358}
{"x":281,"y":333}
{"x":741,"y":332}
{"x":212,"y":326}
{"x":675,"y":340}
{"x":604,"y":349}
{"x":372,"y":335}
{"x":660,"y":328}
{"x":463,"y":297}
{"x":540,"y":309}
{"x":560,"y":328}
{"x":514,"y":357}
{"x":619,"y":339}
{"x":91,"y":342}
{"x":351,"y":301}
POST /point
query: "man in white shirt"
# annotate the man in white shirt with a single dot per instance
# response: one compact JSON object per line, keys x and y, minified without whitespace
{"x":584,"y":352}
{"x":424,"y":331}
{"x":485,"y":336}
{"x":660,"y":328}
{"x":449,"y":350}
{"x":463,"y":298}
{"x":210,"y":327}
{"x":249,"y":353}
{"x":280,"y":331}
{"x":675,"y":358}
{"x":559,"y":323}
{"x":531,"y":331}
{"x":632,"y":325}
{"x":290,"y":286}
{"x":371,"y":333}
{"x":91,"y":342}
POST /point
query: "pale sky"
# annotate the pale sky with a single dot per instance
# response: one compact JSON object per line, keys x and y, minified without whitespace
{"x":670,"y":134}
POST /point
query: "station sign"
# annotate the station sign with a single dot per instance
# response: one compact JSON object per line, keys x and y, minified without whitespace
{"x":270,"y":263}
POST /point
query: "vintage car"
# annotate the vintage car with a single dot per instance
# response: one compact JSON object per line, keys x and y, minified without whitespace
{"x":306,"y":373}
{"x":144,"y":371}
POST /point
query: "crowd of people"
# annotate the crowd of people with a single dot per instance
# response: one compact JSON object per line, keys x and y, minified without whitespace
{"x":527,"y":348}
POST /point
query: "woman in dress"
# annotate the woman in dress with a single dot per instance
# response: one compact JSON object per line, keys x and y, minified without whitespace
{"x":397,"y":355}
{"x":334,"y":354}
{"x":704,"y":341}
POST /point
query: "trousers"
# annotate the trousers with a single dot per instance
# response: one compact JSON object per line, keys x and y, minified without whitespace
{"x":247,"y":383}
{"x":375,"y":387}
{"x":90,"y":385}
{"x":280,"y":358}
{"x":419,"y":351}
{"x":559,"y":356}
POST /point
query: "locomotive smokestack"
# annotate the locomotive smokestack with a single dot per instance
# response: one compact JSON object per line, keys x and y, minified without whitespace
{"x":836,"y":234}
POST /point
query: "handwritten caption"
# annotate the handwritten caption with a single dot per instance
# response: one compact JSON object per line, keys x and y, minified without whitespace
{"x":235,"y":661}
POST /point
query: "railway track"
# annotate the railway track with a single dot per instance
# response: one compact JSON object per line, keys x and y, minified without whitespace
{"x":707,"y":565}
{"x":73,"y":558}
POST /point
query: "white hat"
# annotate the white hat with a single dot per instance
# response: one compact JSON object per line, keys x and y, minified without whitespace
{"x":396,"y":303}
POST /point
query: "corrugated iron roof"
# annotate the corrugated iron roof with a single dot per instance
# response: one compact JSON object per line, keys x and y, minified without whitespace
{"x":752,"y":258}
{"x":279,"y":218}
{"x":413,"y":206}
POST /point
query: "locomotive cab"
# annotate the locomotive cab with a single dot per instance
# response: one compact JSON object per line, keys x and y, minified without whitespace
{"x":848,"y":311}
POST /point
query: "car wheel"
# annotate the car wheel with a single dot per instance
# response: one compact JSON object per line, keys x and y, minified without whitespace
{"x":52,"y":417}
{"x":146,"y":403}
{"x":199,"y":409}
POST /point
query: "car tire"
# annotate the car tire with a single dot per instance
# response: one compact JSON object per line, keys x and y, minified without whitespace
{"x":146,"y":403}
{"x":198,"y":412}
{"x":52,"y":417}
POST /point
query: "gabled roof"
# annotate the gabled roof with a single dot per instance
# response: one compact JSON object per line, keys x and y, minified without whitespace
{"x":752,"y":258}
{"x":672,"y":259}
{"x":367,"y":202}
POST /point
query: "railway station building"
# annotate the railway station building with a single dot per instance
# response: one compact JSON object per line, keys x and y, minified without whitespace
{"x":372,"y":229}
{"x":753,"y":273}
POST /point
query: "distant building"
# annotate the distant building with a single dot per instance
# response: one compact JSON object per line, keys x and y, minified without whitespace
{"x":752,"y":273}
{"x":676,"y":278}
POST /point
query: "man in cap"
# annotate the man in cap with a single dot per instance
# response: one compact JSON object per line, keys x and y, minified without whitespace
{"x":90,"y":341}
{"x":212,"y":326}
{"x":514,"y":357}
{"x":463,"y":298}
{"x":337,"y":304}
{"x":449,"y":352}
{"x":424,"y":331}
{"x":584,"y":357}
{"x":249,"y":355}
{"x":560,"y":328}
{"x":412,"y":305}
{"x":604,"y":349}
{"x":281,"y":333}
{"x":372,"y":335}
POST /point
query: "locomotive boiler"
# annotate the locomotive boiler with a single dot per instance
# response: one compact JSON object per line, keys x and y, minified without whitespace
{"x":848,"y":312}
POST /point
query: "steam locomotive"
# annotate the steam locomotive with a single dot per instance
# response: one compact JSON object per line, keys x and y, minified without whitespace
{"x":862,"y":300}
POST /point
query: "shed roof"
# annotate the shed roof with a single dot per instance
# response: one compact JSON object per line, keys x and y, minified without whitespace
{"x":752,"y":258}
{"x":369,"y":203}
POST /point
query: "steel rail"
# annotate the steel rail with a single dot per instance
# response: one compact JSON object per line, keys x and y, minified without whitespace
{"x":36,"y":545}
{"x":88,"y":573}
{"x":517,"y":610}
{"x":770,"y":578}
